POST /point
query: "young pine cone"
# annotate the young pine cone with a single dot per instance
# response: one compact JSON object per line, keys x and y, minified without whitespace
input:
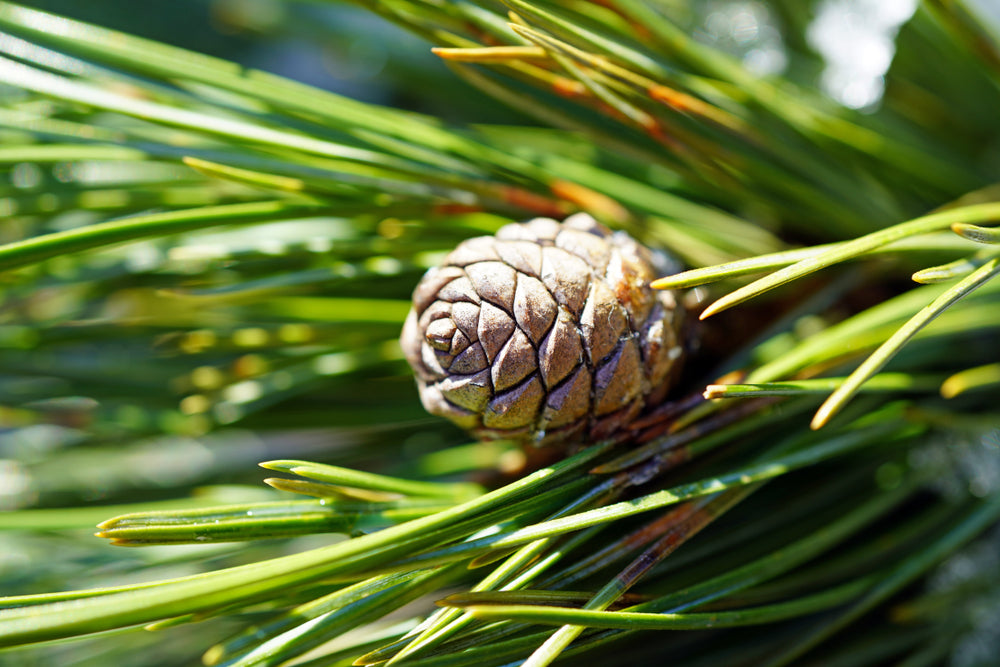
{"x":544,"y":333}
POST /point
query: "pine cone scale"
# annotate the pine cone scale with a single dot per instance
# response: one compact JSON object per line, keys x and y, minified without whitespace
{"x":566,"y":277}
{"x":429,"y":288}
{"x":602,"y":323}
{"x":570,"y":401}
{"x":495,"y":329}
{"x":494,"y":282}
{"x":471,"y":392}
{"x":516,"y":408}
{"x":466,"y":317}
{"x":535,"y":308}
{"x":560,"y":351}
{"x":471,"y":360}
{"x":619,"y":379}
{"x":516,"y":361}
{"x":524,"y":256}
{"x":460,"y":289}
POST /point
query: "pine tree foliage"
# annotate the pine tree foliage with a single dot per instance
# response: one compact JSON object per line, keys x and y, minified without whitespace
{"x":206,"y":267}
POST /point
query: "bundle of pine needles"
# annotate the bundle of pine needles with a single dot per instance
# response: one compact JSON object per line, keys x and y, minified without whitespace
{"x":206,"y":267}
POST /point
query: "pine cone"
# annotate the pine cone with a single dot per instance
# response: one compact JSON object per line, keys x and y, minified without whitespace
{"x":544,"y":333}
